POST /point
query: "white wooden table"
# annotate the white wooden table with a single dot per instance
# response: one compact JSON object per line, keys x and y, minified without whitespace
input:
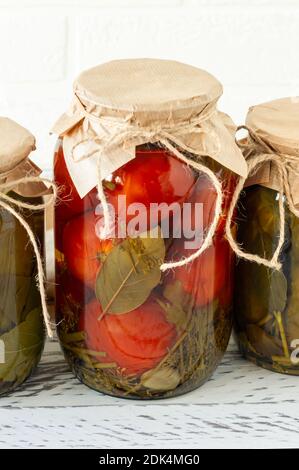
{"x":241,"y":406}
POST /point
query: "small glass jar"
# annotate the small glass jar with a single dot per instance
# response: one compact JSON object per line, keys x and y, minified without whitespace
{"x":267,"y":300}
{"x":126,"y":328}
{"x":21,"y":323}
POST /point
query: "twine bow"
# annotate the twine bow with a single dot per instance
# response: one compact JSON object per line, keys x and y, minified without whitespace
{"x":169,"y":136}
{"x":286,"y":165}
{"x":6,"y":202}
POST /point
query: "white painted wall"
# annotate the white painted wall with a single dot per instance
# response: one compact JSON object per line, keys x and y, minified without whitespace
{"x":251,"y":46}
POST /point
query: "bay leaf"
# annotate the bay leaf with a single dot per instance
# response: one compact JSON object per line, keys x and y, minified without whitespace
{"x":23,"y":345}
{"x":130,"y":272}
{"x":161,"y":380}
{"x":278,"y":292}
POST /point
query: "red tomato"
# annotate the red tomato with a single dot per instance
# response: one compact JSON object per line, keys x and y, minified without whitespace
{"x":193,"y":218}
{"x":71,"y":204}
{"x":207,"y":275}
{"x":154,"y":176}
{"x":137,"y":341}
{"x":83,"y":248}
{"x":205,"y":193}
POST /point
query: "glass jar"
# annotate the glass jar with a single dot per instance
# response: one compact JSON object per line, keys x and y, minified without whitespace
{"x":141,"y":164}
{"x":173,"y":340}
{"x":21,"y":323}
{"x":266,"y":299}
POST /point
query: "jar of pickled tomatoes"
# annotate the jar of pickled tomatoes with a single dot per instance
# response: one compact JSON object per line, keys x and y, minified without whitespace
{"x":21,"y":321}
{"x":142,"y":310}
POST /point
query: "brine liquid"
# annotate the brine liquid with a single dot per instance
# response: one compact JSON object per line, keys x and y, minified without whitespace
{"x":126,"y":328}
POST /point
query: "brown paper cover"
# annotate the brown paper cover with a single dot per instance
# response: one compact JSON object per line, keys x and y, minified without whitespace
{"x":16,"y":143}
{"x":277,"y":123}
{"x":147,"y":93}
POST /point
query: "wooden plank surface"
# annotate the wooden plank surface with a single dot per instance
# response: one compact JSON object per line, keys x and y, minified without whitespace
{"x":241,"y":406}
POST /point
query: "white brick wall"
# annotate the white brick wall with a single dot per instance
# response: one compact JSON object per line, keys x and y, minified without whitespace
{"x":252,"y":47}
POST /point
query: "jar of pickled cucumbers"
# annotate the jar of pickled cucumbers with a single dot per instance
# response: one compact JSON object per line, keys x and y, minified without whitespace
{"x":267,"y":299}
{"x":144,"y":275}
{"x":21,"y":321}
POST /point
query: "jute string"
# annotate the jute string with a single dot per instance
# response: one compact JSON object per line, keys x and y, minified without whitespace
{"x":285,"y":165}
{"x":169,"y":136}
{"x":7,"y":203}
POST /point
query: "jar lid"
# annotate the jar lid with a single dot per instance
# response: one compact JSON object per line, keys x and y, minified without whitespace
{"x":125,"y":103}
{"x":147,"y":85}
{"x":277,"y":122}
{"x":16,"y":143}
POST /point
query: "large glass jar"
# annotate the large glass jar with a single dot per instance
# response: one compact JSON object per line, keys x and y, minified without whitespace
{"x":142,"y":165}
{"x":172,"y":342}
{"x":21,"y":321}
